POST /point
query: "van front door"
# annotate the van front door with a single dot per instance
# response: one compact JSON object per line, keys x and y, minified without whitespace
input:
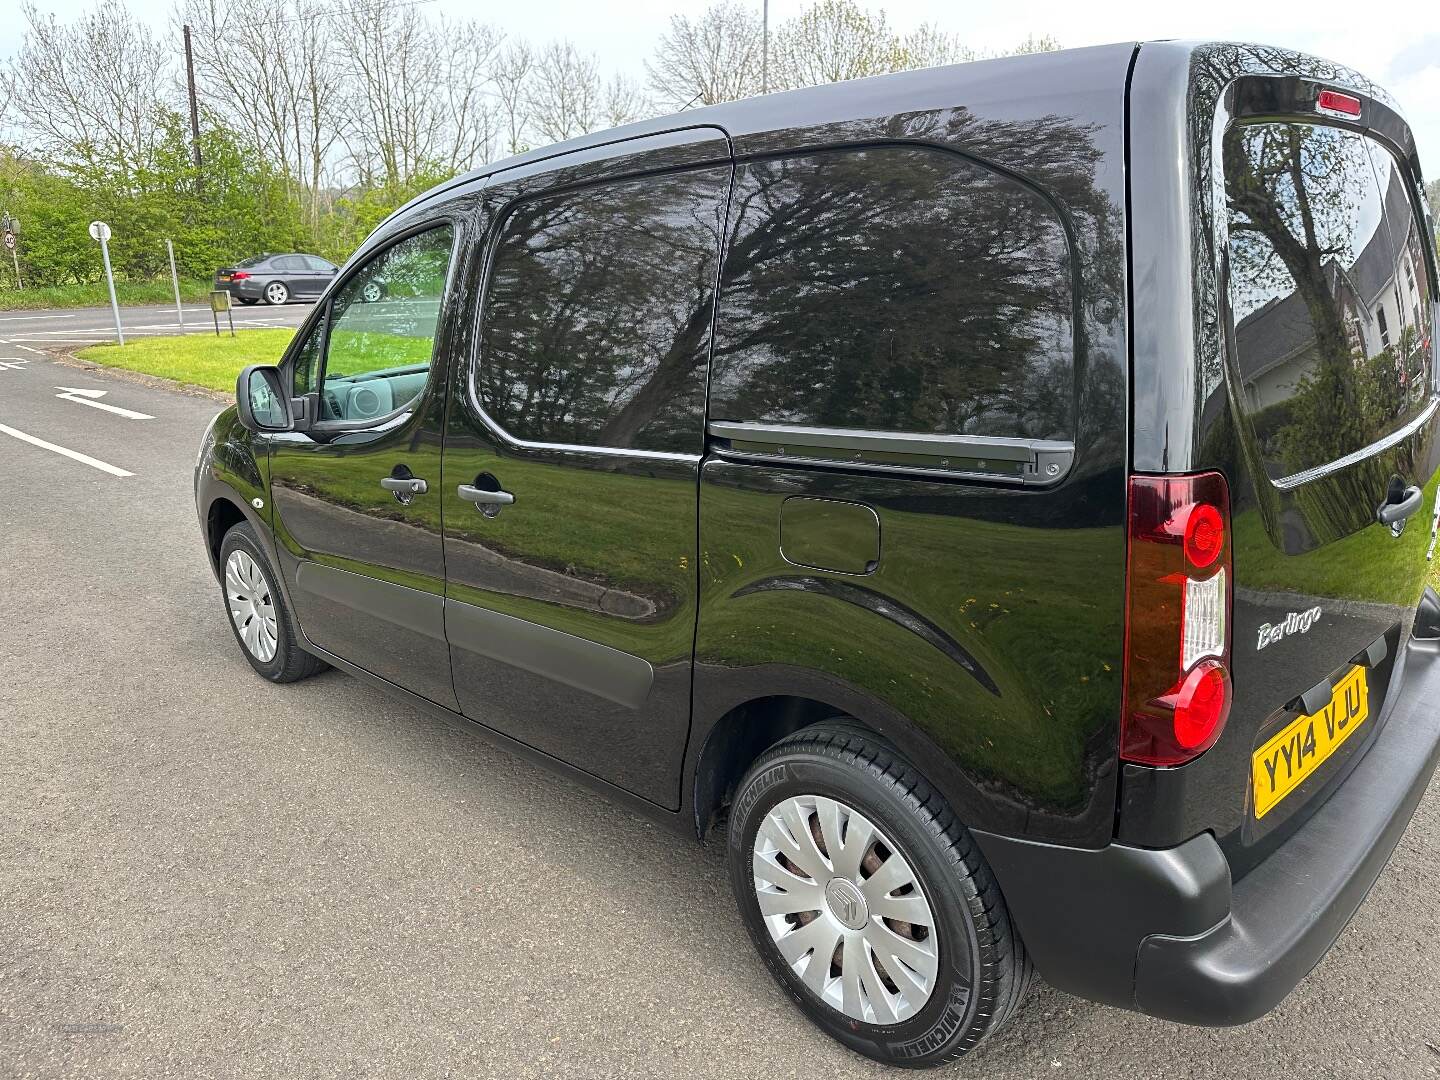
{"x":356,"y":499}
{"x":572,"y":454}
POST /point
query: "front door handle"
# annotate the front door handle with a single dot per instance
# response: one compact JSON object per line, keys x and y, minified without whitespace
{"x":481,"y":497}
{"x":1397,"y":510}
{"x":409,"y":485}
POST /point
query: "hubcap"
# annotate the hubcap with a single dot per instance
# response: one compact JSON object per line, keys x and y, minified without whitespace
{"x":276,"y":293}
{"x":247,"y":594}
{"x":845,"y":909}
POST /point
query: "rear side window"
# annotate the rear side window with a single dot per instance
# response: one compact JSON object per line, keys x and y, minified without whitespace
{"x":596,"y":319}
{"x":1329,"y":344}
{"x":898,"y":289}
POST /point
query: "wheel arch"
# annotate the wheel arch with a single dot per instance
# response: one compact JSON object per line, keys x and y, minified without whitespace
{"x":741,"y":735}
{"x":222,"y":515}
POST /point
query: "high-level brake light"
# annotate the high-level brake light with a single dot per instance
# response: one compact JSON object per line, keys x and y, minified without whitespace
{"x":1177,"y":646}
{"x":1335,"y":102}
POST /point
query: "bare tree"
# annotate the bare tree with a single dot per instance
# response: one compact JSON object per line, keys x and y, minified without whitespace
{"x":566,"y":96}
{"x":417,"y":92}
{"x":624,"y":102}
{"x":835,"y":40}
{"x":270,"y":68}
{"x":514,"y":71}
{"x":470,"y":51}
{"x":87,"y":92}
{"x":929,"y":46}
{"x":713,"y":58}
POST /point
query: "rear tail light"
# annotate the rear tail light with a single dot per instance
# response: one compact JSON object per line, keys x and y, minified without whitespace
{"x":1177,"y":615}
{"x":239,"y":275}
{"x":1332,"y":101}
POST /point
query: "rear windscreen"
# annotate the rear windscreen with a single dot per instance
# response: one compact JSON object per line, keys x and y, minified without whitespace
{"x":1329,"y":292}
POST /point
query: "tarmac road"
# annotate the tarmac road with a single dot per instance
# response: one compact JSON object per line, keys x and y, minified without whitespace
{"x":204,"y":875}
{"x":26,"y":330}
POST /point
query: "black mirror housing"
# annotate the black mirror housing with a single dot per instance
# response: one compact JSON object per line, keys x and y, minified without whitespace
{"x":261,"y":400}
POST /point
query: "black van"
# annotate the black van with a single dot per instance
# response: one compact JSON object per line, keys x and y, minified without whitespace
{"x":995,"y":498}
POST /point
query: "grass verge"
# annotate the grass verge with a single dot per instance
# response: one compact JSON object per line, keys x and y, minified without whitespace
{"x":196,"y":359}
{"x":96,"y":295}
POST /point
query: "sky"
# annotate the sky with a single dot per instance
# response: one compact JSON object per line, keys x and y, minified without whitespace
{"x":1400,"y":50}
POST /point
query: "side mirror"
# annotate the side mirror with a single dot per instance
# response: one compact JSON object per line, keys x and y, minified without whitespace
{"x":262,"y":401}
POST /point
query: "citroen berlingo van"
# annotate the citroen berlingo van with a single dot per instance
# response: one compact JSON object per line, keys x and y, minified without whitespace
{"x":993,"y":501}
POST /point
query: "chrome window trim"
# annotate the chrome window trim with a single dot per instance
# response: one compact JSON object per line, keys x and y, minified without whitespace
{"x":1030,"y":454}
{"x":1399,"y":435}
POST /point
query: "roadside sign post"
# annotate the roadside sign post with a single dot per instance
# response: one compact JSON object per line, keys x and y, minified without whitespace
{"x":8,"y":228}
{"x":100,"y":231}
{"x":175,"y":281}
{"x":220,"y":301}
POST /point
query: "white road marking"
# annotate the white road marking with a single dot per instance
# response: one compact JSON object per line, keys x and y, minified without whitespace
{"x":74,"y":455}
{"x":83,"y":396}
{"x":12,"y":363}
{"x":27,"y":348}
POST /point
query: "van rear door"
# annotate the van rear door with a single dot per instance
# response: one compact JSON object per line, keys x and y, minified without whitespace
{"x":1324,"y":422}
{"x":1331,"y":333}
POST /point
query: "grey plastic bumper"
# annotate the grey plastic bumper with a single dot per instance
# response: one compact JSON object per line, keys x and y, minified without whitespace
{"x":1166,"y":933}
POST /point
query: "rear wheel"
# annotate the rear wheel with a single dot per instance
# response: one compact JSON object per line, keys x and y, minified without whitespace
{"x":257,"y":613}
{"x":248,"y":300}
{"x":276,"y":293}
{"x":869,"y":901}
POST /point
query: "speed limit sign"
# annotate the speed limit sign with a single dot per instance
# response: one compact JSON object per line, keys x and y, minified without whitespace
{"x":9,"y":239}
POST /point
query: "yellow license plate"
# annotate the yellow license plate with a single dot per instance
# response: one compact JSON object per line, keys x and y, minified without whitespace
{"x":1302,"y":746}
{"x":224,"y":277}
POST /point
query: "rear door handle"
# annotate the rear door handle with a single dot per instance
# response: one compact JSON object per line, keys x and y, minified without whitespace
{"x":481,"y":497}
{"x":1388,"y":513}
{"x":410,"y":485}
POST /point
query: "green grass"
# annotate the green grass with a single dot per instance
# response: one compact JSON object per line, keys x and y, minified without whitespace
{"x":197,"y":359}
{"x":96,"y":295}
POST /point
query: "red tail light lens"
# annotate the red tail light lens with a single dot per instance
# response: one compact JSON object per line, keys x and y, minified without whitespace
{"x":1177,"y":645}
{"x":1336,"y":102}
{"x":239,"y":275}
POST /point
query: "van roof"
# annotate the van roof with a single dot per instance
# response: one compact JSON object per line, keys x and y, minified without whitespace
{"x":975,"y":83}
{"x":986,"y":86}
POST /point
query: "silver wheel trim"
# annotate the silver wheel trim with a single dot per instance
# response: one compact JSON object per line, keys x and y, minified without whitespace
{"x":247,"y":594}
{"x":811,"y":910}
{"x":276,"y":293}
{"x":370,"y":293}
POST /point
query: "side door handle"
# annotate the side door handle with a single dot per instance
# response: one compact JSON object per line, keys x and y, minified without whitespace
{"x":409,"y":485}
{"x":1395,"y":510}
{"x":481,"y":497}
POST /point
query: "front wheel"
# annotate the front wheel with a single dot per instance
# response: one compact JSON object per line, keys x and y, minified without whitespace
{"x":257,"y":612}
{"x":276,"y":293}
{"x":869,"y":901}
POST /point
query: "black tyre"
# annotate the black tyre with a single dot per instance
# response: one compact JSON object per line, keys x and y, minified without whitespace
{"x":248,"y":301}
{"x":917,"y":958}
{"x":277,"y":292}
{"x":257,"y":613}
